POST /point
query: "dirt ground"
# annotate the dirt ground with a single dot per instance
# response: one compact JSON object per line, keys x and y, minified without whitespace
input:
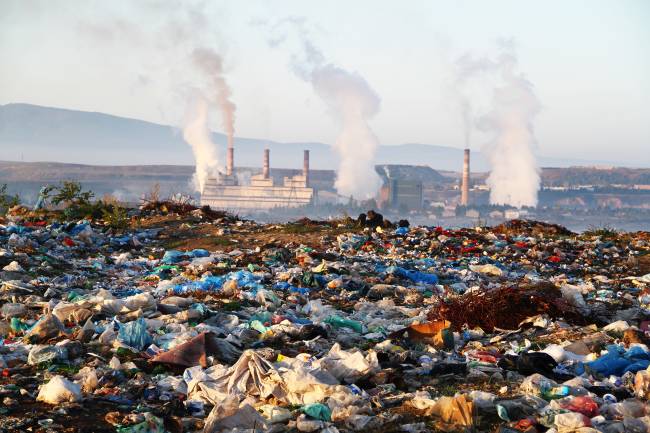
{"x":187,"y":234}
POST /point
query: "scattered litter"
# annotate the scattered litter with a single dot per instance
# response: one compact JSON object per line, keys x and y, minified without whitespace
{"x":193,"y":320}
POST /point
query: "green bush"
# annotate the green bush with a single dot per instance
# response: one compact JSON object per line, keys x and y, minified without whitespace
{"x":7,"y":201}
{"x":115,"y":216}
{"x":69,"y":194}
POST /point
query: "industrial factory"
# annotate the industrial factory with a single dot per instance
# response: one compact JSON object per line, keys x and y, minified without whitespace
{"x":224,"y":191}
{"x":245,"y":192}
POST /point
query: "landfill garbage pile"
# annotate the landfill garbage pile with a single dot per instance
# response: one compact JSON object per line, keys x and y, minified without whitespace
{"x":196,"y":321}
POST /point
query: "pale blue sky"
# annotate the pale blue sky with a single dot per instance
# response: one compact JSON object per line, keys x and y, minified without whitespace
{"x":589,"y":61}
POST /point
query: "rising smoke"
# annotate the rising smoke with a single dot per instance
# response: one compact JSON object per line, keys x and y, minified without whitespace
{"x":197,"y":134}
{"x":508,"y":118}
{"x":194,"y":69}
{"x":352,"y":101}
{"x":217,"y":91}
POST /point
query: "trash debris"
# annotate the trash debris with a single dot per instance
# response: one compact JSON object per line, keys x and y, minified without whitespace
{"x":194,"y":320}
{"x":59,"y":390}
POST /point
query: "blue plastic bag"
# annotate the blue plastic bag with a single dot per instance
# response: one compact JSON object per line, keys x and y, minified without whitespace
{"x":79,"y":228}
{"x":173,"y":256}
{"x":246,"y":279}
{"x":617,"y":361}
{"x":401,"y":231}
{"x":134,"y":334}
{"x":207,"y":284}
{"x":415,"y":276}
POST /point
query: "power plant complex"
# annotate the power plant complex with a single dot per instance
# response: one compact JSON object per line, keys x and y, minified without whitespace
{"x":224,"y":191}
{"x":227,"y":191}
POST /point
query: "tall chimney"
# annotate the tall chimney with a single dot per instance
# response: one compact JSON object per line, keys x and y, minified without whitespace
{"x":464,"y":194}
{"x":265,"y":165}
{"x":305,"y":167}
{"x":230,"y":161}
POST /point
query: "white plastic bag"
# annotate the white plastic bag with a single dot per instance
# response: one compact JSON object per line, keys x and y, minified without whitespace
{"x":87,"y":379}
{"x":59,"y":390}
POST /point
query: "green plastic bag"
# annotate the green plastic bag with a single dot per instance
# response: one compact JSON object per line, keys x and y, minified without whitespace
{"x":317,"y":411}
{"x":339,"y":322}
{"x":151,"y":424}
{"x":18,"y":325}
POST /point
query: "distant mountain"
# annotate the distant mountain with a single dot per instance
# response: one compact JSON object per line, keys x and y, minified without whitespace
{"x":35,"y":133}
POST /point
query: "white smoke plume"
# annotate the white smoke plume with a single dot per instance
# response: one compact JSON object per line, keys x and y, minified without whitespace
{"x":197,"y":135}
{"x":512,"y":106}
{"x":210,"y":63}
{"x":353,"y":103}
{"x":180,"y":50}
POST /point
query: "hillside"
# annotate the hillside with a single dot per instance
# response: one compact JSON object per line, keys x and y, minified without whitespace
{"x":595,"y":176}
{"x":35,"y":133}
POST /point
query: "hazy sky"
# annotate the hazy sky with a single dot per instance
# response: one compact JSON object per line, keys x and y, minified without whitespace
{"x":588,"y":60}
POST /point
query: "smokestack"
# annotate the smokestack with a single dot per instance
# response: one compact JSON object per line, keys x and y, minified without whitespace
{"x":230,"y":161}
{"x":265,"y":165}
{"x":464,"y":194}
{"x":305,"y":167}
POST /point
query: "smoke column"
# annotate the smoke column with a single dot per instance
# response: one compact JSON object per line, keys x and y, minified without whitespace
{"x":514,"y":175}
{"x":353,"y":103}
{"x":210,"y":64}
{"x":178,"y":47}
{"x":197,"y":135}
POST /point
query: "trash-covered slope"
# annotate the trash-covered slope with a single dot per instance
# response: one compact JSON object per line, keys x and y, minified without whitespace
{"x":196,"y":321}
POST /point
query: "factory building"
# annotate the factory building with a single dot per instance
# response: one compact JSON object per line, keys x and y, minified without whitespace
{"x":224,"y":192}
{"x":400,"y":193}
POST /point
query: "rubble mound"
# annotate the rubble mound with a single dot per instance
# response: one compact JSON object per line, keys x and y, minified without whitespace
{"x":532,"y":228}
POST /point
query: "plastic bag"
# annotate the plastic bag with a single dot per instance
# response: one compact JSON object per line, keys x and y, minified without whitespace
{"x":274,"y":414}
{"x":172,"y":256}
{"x":199,"y":252}
{"x":488,"y":269}
{"x":87,"y":379}
{"x":455,"y":411}
{"x":230,"y":416}
{"x":617,"y":361}
{"x":415,"y":276}
{"x":536,"y":385}
{"x":339,"y":322}
{"x":10,"y":310}
{"x":134,"y":334}
{"x":536,"y":362}
{"x":59,"y":390}
{"x":570,"y":422}
{"x":317,"y":411}
{"x":573,"y":296}
{"x":306,"y":424}
{"x":195,"y":351}
{"x":582,"y":404}
{"x":151,"y":424}
{"x":40,"y":354}
{"x":47,"y":327}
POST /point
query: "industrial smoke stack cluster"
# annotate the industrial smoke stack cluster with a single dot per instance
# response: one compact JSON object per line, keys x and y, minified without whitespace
{"x":464,"y":189}
{"x":262,"y":193}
